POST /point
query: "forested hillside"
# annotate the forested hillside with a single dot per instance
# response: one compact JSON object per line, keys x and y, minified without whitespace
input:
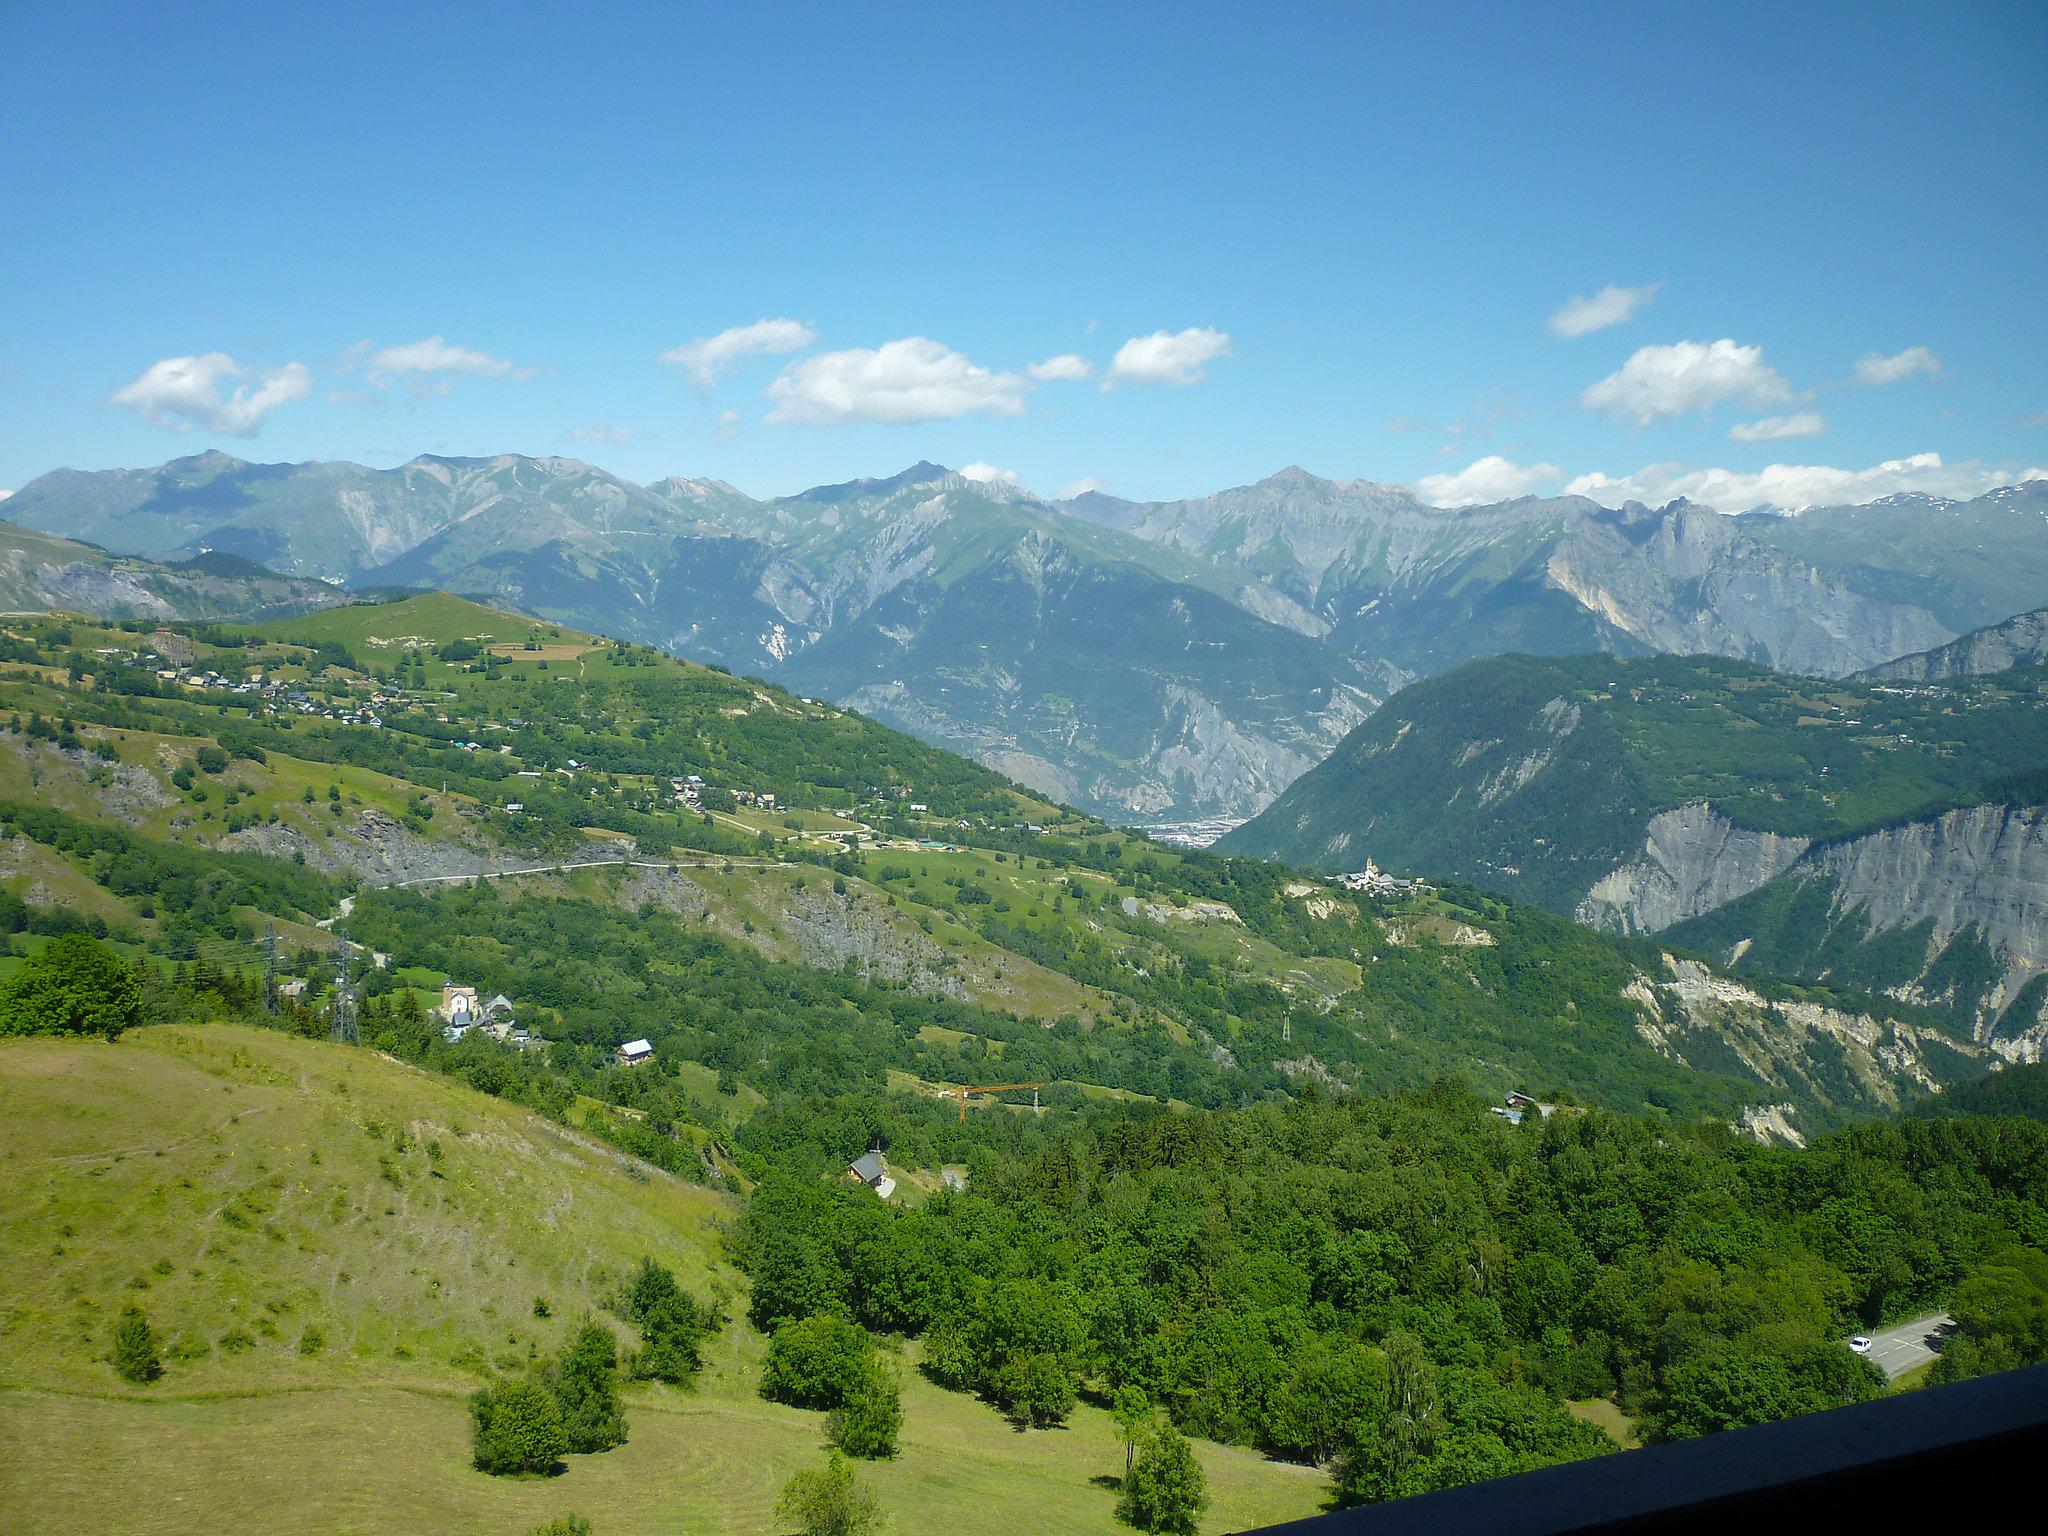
{"x":1877,"y":835}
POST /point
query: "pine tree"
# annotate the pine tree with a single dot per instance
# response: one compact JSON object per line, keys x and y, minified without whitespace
{"x":136,"y":1356}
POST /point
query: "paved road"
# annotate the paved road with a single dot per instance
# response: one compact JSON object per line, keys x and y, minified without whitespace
{"x":1896,"y":1350}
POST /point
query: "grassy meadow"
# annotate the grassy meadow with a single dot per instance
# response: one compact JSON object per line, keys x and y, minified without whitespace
{"x":336,"y":1249}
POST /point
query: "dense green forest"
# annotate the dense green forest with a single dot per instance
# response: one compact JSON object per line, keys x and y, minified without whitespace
{"x":1409,"y":1285}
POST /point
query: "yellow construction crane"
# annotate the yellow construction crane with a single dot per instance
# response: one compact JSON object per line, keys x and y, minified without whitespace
{"x":961,"y":1093}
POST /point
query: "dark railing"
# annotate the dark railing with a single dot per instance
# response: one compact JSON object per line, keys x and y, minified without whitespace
{"x":1936,"y":1462}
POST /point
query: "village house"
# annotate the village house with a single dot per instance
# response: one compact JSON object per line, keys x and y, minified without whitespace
{"x":293,"y":990}
{"x":635,"y":1053}
{"x":1516,"y":1106}
{"x":458,"y":1003}
{"x":869,"y":1169}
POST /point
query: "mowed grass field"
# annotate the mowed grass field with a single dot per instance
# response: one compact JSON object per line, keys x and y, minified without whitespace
{"x":338,"y":1248}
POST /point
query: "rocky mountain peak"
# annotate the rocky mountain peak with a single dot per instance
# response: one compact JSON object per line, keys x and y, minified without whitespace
{"x":922,"y":472}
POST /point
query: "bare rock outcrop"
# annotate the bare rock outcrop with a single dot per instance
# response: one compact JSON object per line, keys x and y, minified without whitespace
{"x":1693,"y":861}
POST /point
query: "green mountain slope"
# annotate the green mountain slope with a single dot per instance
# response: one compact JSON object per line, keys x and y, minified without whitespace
{"x":2021,"y":641}
{"x":949,"y":918}
{"x":338,"y":1248}
{"x":407,"y":796}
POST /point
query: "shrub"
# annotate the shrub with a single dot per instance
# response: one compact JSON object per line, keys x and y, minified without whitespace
{"x":585,"y":1383}
{"x":211,"y":759}
{"x":829,"y":1501}
{"x":136,"y":1356}
{"x":869,"y":1415}
{"x":518,"y":1428}
{"x":672,"y":1326}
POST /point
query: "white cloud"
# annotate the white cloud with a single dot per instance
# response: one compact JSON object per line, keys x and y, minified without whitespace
{"x":1612,"y":305}
{"x":914,"y":379}
{"x":610,"y":437}
{"x":1773,"y":429}
{"x":1687,"y":376}
{"x":1167,"y":357}
{"x":1801,"y":485}
{"x":1492,"y":478}
{"x":1081,"y":487}
{"x":728,"y":426}
{"x":1067,"y":366}
{"x":423,"y":360}
{"x":4,"y":494}
{"x":983,"y":473}
{"x":709,"y":356}
{"x":1873,"y":369}
{"x":180,"y":393}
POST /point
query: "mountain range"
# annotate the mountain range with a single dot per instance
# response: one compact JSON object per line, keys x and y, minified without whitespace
{"x":1153,"y":662}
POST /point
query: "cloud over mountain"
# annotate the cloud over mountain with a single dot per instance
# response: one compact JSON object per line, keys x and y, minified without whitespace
{"x":180,"y":393}
{"x":911,"y":380}
{"x":1687,"y":376}
{"x":1490,"y":479}
{"x":706,"y":358}
{"x":1164,"y":357}
{"x":1799,"y":485}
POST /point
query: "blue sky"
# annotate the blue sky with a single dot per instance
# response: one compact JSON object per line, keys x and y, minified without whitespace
{"x":1336,"y":236}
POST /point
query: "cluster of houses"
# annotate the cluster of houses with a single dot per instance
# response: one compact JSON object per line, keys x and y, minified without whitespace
{"x":1374,"y":881}
{"x":688,"y":792}
{"x":176,"y":652}
{"x":462,"y":1010}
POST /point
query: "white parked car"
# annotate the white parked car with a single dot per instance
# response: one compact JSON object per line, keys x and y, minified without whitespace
{"x":1861,"y":1343}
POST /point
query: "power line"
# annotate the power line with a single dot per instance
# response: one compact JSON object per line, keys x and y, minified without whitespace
{"x":343,"y":1028}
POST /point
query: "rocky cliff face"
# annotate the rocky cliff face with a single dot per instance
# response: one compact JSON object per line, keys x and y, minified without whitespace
{"x":1949,"y":913}
{"x":1693,"y":861}
{"x":1986,"y":866}
{"x":1814,"y":1052}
